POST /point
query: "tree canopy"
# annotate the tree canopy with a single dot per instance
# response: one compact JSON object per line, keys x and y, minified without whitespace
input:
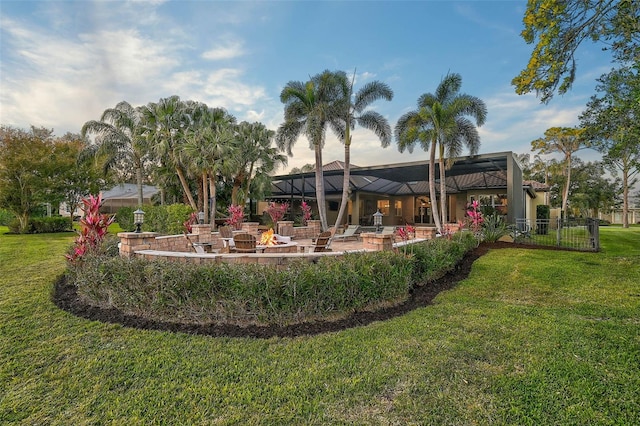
{"x":557,"y":28}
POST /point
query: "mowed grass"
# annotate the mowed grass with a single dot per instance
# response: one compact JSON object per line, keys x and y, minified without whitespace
{"x":531,"y":337}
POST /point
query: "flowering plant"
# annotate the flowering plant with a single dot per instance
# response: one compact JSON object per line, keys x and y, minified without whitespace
{"x":277,"y":212}
{"x":306,"y":213}
{"x":93,"y":228}
{"x":406,"y":232}
{"x":475,"y":217}
{"x":236,"y":216}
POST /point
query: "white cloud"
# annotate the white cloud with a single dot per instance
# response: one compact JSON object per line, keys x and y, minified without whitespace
{"x":228,"y":50}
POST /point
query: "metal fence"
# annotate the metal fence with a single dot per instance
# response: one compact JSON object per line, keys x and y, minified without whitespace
{"x":578,"y":234}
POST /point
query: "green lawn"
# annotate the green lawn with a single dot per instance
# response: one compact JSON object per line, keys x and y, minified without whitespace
{"x":531,"y":337}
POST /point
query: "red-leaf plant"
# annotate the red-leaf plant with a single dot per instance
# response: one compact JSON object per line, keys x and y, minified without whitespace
{"x":236,"y":216}
{"x":93,"y":228}
{"x":306,"y":213}
{"x":277,"y":212}
{"x":193,"y":218}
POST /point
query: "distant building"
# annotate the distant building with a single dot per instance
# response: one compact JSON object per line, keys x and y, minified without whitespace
{"x":126,"y":195}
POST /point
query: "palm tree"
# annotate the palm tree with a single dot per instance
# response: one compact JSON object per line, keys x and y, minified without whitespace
{"x":254,"y":156}
{"x":118,"y":140}
{"x":164,"y":125}
{"x":354,"y":113}
{"x":309,"y":108}
{"x":440,"y":121}
{"x":463,"y":132}
{"x":208,"y":141}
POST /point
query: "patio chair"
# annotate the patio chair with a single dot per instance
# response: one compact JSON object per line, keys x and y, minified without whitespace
{"x":322,"y":242}
{"x":388,"y":230}
{"x":226,"y":234}
{"x":350,"y":232}
{"x":245,"y":243}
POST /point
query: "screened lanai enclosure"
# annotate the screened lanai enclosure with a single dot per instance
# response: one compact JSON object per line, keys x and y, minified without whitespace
{"x":401,"y":191}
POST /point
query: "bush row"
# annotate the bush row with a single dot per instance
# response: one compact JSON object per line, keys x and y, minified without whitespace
{"x":43,"y":225}
{"x":258,"y":294}
{"x":166,"y":220}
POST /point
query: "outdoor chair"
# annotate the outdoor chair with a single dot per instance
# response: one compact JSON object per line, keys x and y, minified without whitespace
{"x":245,"y":243}
{"x":350,"y":232}
{"x":321,"y":242}
{"x":226,"y":234}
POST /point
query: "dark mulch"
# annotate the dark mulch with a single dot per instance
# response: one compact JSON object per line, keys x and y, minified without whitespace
{"x":66,"y":298}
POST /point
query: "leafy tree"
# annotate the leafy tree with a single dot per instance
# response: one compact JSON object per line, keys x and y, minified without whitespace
{"x":304,"y":169}
{"x":613,"y":121}
{"x":164,"y":124}
{"x":440,"y":121}
{"x":355,"y":111}
{"x":559,"y":27}
{"x":591,"y":191}
{"x":252,"y":155}
{"x":564,"y":140}
{"x":309,"y":108}
{"x":118,"y":142}
{"x":208,"y":144}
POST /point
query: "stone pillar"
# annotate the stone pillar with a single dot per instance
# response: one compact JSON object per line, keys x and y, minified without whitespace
{"x":377,"y":242}
{"x":285,"y":227}
{"x":427,"y":232}
{"x":202,"y":232}
{"x":131,"y":241}
{"x":315,"y":227}
{"x":250,"y":227}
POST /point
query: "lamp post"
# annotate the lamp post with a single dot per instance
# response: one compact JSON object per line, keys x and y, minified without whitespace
{"x":377,"y":220}
{"x":138,"y":220}
{"x":201,"y":218}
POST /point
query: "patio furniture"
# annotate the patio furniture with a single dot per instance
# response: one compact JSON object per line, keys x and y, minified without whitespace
{"x":321,"y":243}
{"x":245,"y":243}
{"x":226,"y":235}
{"x":350,"y":232}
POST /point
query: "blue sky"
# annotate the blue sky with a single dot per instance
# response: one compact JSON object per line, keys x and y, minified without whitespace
{"x":64,"y":62}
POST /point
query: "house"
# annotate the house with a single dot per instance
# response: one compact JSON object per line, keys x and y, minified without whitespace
{"x":401,"y":191}
{"x":125,"y":195}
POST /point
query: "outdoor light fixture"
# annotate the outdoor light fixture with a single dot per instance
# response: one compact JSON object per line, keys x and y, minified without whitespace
{"x":377,"y":220}
{"x":138,"y":220}
{"x":201,"y":217}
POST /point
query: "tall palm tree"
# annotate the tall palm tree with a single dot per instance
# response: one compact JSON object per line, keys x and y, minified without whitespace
{"x":208,"y":141}
{"x":354,"y":113}
{"x":457,"y":108}
{"x":164,"y":126}
{"x":254,"y":156}
{"x":440,"y":122}
{"x":309,"y":108}
{"x":118,"y":141}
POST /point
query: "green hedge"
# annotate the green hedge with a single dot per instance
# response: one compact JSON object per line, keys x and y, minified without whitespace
{"x":6,"y":217}
{"x":43,"y":225}
{"x":259,"y":294}
{"x":166,"y":220}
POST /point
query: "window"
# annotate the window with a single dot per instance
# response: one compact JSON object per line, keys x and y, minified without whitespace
{"x":383,"y":206}
{"x":398,"y":205}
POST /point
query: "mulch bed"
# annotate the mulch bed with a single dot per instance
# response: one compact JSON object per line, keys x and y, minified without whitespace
{"x":66,"y":298}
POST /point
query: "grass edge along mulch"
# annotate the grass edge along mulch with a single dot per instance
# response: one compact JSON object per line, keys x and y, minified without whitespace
{"x":65,"y":297}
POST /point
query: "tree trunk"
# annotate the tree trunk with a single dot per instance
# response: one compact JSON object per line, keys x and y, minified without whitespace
{"x":139,"y":184}
{"x":345,"y":181}
{"x":432,"y":186}
{"x":185,"y":188}
{"x":212,"y":191}
{"x":625,"y":199}
{"x":443,"y":188}
{"x":322,"y":211}
{"x":565,"y":193}
{"x":205,"y":197}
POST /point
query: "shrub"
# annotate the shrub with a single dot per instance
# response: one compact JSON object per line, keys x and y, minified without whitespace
{"x":245,"y":294}
{"x":42,"y":225}
{"x":493,"y":228}
{"x":124,"y":217}
{"x":93,"y":228}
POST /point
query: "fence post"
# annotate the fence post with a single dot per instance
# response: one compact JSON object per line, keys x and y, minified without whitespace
{"x":559,"y":231}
